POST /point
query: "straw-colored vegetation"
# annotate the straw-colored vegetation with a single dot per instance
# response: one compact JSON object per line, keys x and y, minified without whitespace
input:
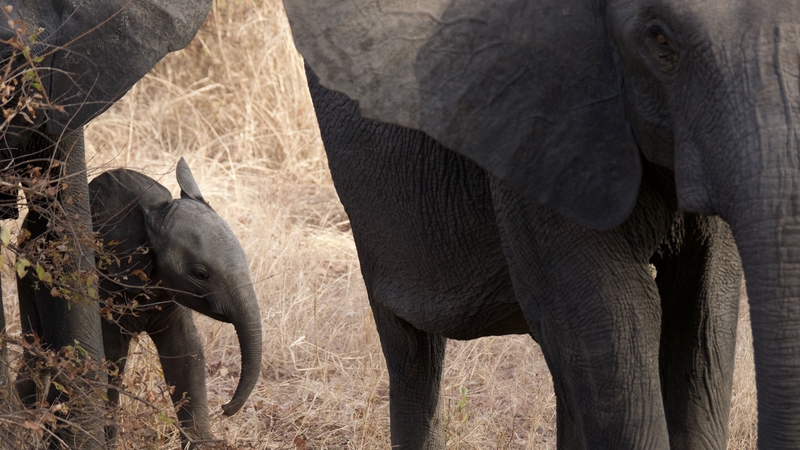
{"x":235,"y":105}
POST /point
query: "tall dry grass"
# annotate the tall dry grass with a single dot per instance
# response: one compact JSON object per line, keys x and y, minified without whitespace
{"x":235,"y":105}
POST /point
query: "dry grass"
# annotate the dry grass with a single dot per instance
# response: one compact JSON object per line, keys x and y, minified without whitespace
{"x":235,"y":105}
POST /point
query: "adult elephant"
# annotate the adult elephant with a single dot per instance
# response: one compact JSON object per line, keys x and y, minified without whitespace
{"x":82,"y":56}
{"x":447,"y":251}
{"x":573,"y":106}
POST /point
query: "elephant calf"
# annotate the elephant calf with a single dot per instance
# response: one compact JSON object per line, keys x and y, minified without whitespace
{"x":168,"y":255}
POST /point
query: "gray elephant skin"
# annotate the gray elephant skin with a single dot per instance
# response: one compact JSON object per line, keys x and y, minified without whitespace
{"x":166,"y":255}
{"x":76,"y":56}
{"x":444,"y":254}
{"x":598,"y":125}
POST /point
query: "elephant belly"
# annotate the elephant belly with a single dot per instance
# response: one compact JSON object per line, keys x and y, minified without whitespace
{"x":426,"y":232}
{"x":445,"y":274}
{"x":455,"y":315}
{"x":423,"y":222}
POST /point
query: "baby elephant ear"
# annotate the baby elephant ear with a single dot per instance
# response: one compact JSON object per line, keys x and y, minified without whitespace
{"x":124,"y":203}
{"x":186,"y":181}
{"x":526,"y":89}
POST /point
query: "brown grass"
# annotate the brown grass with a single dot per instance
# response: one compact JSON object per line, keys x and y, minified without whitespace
{"x":236,"y":106}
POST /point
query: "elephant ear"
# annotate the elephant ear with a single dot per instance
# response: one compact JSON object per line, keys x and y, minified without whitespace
{"x":527,"y":89}
{"x":189,"y":188}
{"x":95,"y":50}
{"x":122,"y":201}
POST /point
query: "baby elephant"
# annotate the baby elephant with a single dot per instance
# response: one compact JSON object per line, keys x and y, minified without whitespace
{"x":173,"y":254}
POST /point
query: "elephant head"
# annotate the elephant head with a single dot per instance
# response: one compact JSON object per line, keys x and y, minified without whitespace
{"x":181,"y":250}
{"x":561,"y":99}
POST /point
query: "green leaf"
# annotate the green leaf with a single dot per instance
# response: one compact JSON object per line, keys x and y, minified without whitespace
{"x":164,"y":419}
{"x":35,"y":36}
{"x":80,"y":349}
{"x":5,"y":235}
{"x":463,"y":403}
{"x":22,"y":267}
{"x":43,"y":275}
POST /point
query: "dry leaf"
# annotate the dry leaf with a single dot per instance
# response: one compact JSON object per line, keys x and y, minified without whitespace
{"x":142,"y":276}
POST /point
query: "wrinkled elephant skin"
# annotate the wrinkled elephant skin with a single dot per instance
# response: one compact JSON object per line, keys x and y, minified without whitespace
{"x":595,"y":122}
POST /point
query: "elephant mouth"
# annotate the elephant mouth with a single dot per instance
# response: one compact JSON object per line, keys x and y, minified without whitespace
{"x":202,"y":306}
{"x":214,"y":315}
{"x":218,"y":317}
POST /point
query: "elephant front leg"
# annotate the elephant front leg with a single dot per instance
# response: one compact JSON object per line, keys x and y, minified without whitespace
{"x":601,"y":346}
{"x":414,"y":359}
{"x":184,"y":365}
{"x":71,"y":323}
{"x":699,"y":276}
{"x":595,"y":310}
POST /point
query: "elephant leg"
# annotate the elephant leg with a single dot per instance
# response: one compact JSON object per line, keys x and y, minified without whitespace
{"x":4,"y":372}
{"x":567,"y":434}
{"x":66,"y":322}
{"x":414,"y":359}
{"x":63,"y":321}
{"x":25,"y":384}
{"x":595,"y":310}
{"x":117,"y":344}
{"x":699,"y":278}
{"x":184,"y":365}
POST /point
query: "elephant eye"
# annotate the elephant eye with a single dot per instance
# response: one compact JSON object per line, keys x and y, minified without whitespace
{"x":657,"y":34}
{"x":199,"y":272}
{"x":662,"y":47}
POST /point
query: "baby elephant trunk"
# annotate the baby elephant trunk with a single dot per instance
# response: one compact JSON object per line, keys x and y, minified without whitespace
{"x":247,"y":322}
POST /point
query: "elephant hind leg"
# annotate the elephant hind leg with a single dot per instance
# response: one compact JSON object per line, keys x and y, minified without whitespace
{"x":116,"y":344}
{"x":25,"y":384}
{"x":414,"y":359}
{"x":699,"y":276}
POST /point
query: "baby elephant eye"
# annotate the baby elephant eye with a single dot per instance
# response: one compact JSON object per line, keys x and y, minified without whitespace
{"x":199,"y":272}
{"x":661,"y":39}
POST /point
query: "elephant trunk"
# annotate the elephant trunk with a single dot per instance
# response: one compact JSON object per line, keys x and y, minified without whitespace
{"x":770,"y":251}
{"x":737,"y":156}
{"x":247,"y":322}
{"x":762,"y":205}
